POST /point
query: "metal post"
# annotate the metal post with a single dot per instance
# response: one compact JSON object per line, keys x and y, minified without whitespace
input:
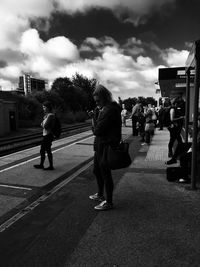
{"x":195,"y":116}
{"x":187,"y":104}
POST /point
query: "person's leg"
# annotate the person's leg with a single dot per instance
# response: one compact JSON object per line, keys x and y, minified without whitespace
{"x":160,"y":123}
{"x":172,"y":139}
{"x":49,"y":152}
{"x":178,"y":136}
{"x":147,"y":137}
{"x":134,"y":121}
{"x":109,"y":186}
{"x":42,"y":156}
{"x":180,"y":149}
{"x":97,"y":173}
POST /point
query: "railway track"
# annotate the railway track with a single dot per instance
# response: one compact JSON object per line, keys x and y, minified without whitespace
{"x":13,"y":144}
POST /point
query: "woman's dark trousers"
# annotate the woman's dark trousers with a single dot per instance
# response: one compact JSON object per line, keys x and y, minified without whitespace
{"x":181,"y":148}
{"x":134,"y":122}
{"x":46,"y":148}
{"x":175,"y":134}
{"x":103,"y":175}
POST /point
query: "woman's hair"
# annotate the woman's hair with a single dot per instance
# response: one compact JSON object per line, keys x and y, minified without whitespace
{"x":48,"y":105}
{"x":103,"y":93}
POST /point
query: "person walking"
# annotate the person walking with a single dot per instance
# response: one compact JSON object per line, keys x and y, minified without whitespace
{"x":47,"y":125}
{"x":107,"y":130}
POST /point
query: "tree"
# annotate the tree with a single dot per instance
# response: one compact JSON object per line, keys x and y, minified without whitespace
{"x":129,"y":102}
{"x":88,"y":86}
{"x":151,"y":100}
{"x":51,"y":96}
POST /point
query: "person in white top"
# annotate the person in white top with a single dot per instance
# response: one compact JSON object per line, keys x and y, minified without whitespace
{"x":47,"y":125}
{"x":124,"y":115}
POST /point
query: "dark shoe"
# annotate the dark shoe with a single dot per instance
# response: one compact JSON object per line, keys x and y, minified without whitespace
{"x":171,"y":161}
{"x":170,"y":155}
{"x":38,"y":166}
{"x":50,"y":168}
{"x":184,"y":180}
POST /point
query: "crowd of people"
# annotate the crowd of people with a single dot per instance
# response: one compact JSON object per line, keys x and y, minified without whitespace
{"x":145,"y":119}
{"x":107,"y":120}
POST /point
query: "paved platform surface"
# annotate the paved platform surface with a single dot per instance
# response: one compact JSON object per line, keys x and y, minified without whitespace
{"x":154,"y":223}
{"x":20,"y":181}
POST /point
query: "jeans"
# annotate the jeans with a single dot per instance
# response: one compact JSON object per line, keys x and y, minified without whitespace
{"x":103,"y":174}
{"x":175,"y":134}
{"x":46,"y":147}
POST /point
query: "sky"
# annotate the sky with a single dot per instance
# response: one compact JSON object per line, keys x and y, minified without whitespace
{"x":121,"y":43}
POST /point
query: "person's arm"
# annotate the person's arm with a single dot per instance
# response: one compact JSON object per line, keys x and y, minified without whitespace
{"x":107,"y":115}
{"x":172,"y":114}
{"x":49,"y":121}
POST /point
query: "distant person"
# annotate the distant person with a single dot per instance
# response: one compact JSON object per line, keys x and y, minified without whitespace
{"x":161,"y":117}
{"x":107,"y":131}
{"x":134,"y":117}
{"x":47,"y":125}
{"x":140,"y":126}
{"x":149,"y":127}
{"x":124,"y":115}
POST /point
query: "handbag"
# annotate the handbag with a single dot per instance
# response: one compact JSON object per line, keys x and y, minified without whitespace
{"x":118,"y":157}
{"x":149,"y":126}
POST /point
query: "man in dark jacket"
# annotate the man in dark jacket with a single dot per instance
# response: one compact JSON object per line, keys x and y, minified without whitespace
{"x":107,"y":131}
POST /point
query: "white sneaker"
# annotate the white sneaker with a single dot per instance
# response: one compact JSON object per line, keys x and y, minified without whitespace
{"x":96,"y":197}
{"x":104,"y":206}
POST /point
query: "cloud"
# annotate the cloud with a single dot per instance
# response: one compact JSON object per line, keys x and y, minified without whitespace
{"x":10,"y":71}
{"x":175,"y":58}
{"x":16,"y":17}
{"x":6,"y":85}
{"x":135,"y":10}
{"x":42,"y":57}
{"x":125,"y":74}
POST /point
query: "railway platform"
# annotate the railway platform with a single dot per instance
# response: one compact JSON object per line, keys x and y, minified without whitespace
{"x":154,"y":223}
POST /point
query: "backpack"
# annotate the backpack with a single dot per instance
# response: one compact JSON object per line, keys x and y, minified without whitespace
{"x":56,"y":130}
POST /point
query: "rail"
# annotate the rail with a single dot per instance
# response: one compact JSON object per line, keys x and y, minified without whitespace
{"x":13,"y":144}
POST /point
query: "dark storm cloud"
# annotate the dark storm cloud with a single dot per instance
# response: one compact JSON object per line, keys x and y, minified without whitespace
{"x":3,"y":64}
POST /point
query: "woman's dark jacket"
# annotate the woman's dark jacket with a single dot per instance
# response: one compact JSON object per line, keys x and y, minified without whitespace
{"x":107,"y":127}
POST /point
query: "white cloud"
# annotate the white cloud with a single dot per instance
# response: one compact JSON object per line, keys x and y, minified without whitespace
{"x":6,"y":85}
{"x":10,"y":71}
{"x":31,"y":44}
{"x":15,"y":18}
{"x":124,"y":75}
{"x":175,"y":58}
{"x":93,"y":41}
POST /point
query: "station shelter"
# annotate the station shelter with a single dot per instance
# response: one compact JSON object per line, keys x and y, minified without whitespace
{"x":8,"y":117}
{"x":185,"y":81}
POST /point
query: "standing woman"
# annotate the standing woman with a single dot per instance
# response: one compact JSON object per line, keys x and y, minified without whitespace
{"x":107,"y":131}
{"x":47,"y":125}
{"x":175,"y":127}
